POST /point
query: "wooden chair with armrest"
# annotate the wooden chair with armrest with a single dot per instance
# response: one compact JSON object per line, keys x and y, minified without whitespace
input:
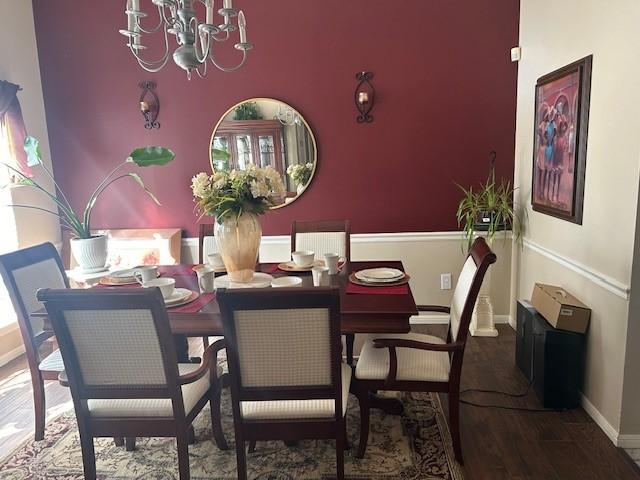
{"x":424,"y":363}
{"x":322,"y":236}
{"x":24,"y":272}
{"x":279,"y":392}
{"x":122,"y":370}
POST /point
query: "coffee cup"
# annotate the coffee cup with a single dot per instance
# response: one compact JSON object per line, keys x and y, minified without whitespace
{"x":303,"y":258}
{"x":331,"y":262}
{"x":320,"y":276}
{"x":206,"y":277}
{"x":166,"y":285}
{"x":145,"y":273}
{"x":215,"y":260}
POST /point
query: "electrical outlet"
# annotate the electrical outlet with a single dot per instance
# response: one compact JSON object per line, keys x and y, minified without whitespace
{"x":445,"y":281}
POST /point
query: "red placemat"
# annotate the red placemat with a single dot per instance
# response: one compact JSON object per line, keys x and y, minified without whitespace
{"x":394,"y":290}
{"x":270,"y":268}
{"x":173,"y":270}
{"x":196,"y":305}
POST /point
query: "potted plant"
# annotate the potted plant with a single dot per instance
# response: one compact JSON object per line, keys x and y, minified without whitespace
{"x":236,"y":198}
{"x":247,"y":111}
{"x":300,"y":173}
{"x":489,"y":209}
{"x":90,"y":251}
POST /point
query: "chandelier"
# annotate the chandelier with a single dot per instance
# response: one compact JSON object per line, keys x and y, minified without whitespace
{"x":195,"y":39}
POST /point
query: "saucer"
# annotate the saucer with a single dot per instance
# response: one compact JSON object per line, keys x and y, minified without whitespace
{"x":178,"y":295}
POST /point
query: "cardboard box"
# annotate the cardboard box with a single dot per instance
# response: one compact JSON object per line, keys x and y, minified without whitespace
{"x":560,"y":308}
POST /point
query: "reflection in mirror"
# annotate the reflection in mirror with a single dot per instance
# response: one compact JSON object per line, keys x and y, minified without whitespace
{"x":266,"y":132}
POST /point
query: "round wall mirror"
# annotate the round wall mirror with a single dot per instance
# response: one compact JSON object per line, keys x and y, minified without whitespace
{"x":263,"y":132}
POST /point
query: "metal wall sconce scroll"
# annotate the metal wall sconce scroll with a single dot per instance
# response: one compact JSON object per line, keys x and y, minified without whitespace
{"x":149,"y":104}
{"x":364,"y":97}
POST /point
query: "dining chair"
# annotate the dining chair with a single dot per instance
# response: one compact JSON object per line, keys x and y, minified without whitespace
{"x":322,"y":236}
{"x":122,"y":370}
{"x":24,"y":272}
{"x":279,"y":392}
{"x":424,"y":363}
{"x":206,"y":241}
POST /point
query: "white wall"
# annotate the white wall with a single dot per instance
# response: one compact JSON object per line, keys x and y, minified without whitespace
{"x":592,"y":260}
{"x":19,"y":65}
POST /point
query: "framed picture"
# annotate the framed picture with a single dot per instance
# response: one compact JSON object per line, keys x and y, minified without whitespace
{"x":560,"y":141}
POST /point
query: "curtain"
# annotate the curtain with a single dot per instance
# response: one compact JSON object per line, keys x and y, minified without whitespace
{"x":11,"y":116}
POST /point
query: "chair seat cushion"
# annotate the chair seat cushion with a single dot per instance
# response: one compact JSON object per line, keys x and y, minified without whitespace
{"x":153,"y":407}
{"x":297,"y":409}
{"x":52,"y":363}
{"x":413,"y":364}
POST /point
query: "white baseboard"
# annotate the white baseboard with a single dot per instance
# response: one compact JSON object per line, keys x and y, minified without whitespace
{"x":443,"y":319}
{"x":602,"y":422}
{"x":15,"y":353}
{"x":628,"y":441}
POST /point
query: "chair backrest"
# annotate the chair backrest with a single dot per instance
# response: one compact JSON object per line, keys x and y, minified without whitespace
{"x":24,"y":272}
{"x":206,"y":241}
{"x":467,"y":289}
{"x":324,"y":236}
{"x":115,"y":343}
{"x":283,"y":344}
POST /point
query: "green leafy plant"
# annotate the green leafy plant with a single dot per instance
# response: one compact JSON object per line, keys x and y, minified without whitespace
{"x":247,"y":111}
{"x":490,"y":208}
{"x":221,"y":158}
{"x":80,"y":225}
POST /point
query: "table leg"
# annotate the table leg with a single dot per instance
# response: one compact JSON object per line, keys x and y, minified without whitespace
{"x":182,"y":348}
{"x":349,"y":340}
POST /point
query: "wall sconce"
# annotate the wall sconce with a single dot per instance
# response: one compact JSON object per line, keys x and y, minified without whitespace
{"x":149,"y":104}
{"x":364,"y":97}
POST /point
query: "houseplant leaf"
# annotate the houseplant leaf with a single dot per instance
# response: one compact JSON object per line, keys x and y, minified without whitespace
{"x":148,"y":156}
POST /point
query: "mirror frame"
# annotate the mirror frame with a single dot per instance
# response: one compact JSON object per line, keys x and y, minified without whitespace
{"x":306,"y":124}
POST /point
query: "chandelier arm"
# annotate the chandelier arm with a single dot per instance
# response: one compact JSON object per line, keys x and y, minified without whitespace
{"x":170,"y":22}
{"x":156,"y":28}
{"x":205,"y":47}
{"x":228,"y":69}
{"x":226,"y":37}
{"x":151,"y":63}
{"x":204,"y":69}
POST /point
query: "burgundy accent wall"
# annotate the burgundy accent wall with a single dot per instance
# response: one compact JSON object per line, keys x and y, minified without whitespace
{"x":445,"y":97}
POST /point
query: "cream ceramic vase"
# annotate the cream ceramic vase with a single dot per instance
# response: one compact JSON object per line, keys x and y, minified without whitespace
{"x":90,"y":253}
{"x":238,"y":240}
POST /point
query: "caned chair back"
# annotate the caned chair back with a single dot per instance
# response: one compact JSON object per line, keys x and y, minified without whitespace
{"x":115,"y":343}
{"x":24,"y":272}
{"x":467,"y":289}
{"x":327,"y":236}
{"x":283,"y":344}
{"x":206,"y":242}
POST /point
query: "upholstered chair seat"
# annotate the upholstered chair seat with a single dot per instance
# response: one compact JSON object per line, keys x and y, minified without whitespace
{"x":52,"y":362}
{"x":154,"y":407}
{"x":413,"y":364}
{"x":297,"y":409}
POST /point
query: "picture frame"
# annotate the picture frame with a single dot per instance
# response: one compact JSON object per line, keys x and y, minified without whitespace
{"x":560,"y":140}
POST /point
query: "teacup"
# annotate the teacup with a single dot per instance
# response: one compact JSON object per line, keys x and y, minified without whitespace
{"x":215,"y":260}
{"x":303,"y":258}
{"x":166,"y":285}
{"x":145,"y":273}
{"x":331,"y":262}
{"x":206,"y":277}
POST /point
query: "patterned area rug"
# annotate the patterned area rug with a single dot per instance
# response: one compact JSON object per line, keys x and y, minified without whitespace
{"x":416,"y":445}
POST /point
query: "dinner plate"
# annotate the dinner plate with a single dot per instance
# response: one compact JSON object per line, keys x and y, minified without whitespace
{"x":192,"y":296}
{"x":179,"y":294}
{"x":220,"y":269}
{"x":120,"y":277}
{"x":382,"y":273}
{"x":401,"y":281}
{"x":260,"y":280}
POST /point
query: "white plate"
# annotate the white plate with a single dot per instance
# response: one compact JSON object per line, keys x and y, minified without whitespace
{"x":179,"y":294}
{"x":120,"y":274}
{"x":260,"y":280}
{"x":379,"y":275}
{"x":286,"y":282}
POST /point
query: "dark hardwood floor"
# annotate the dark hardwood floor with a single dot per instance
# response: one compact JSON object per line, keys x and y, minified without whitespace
{"x":497,"y":444}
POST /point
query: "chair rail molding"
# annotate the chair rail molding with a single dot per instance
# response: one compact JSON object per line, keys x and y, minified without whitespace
{"x":608,"y":283}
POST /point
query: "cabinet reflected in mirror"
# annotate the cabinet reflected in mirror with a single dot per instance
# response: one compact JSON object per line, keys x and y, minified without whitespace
{"x":266,"y":132}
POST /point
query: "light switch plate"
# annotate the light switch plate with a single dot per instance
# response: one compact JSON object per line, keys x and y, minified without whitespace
{"x":445,"y":281}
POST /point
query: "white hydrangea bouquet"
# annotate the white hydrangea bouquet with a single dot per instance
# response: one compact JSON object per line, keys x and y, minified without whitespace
{"x":300,"y":172}
{"x":225,"y":194}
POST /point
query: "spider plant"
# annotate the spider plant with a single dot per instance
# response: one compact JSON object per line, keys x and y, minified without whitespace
{"x":70,"y":219}
{"x":490,"y":208}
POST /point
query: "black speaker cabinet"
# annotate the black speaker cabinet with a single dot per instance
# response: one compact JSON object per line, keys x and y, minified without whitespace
{"x":553,"y":359}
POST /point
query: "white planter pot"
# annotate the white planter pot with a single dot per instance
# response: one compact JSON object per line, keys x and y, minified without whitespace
{"x":90,"y":253}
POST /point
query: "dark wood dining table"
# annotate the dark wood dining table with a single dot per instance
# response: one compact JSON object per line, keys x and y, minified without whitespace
{"x":361,"y":313}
